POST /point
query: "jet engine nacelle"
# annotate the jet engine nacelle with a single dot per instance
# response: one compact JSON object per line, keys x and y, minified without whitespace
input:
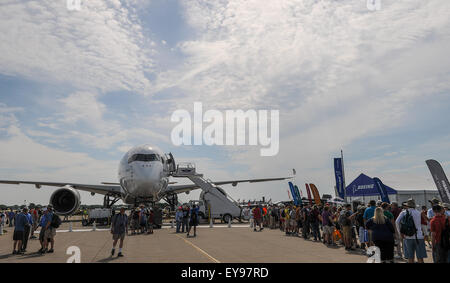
{"x":65,"y":201}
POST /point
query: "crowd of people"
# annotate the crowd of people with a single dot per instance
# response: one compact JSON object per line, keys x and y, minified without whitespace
{"x":398,"y":231}
{"x":186,"y":218}
{"x":26,"y":222}
{"x":141,"y":220}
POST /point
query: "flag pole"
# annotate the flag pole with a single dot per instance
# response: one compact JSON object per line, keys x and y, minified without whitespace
{"x":343,"y":175}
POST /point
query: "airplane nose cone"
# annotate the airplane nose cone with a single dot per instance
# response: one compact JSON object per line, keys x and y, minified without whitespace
{"x":147,"y":179}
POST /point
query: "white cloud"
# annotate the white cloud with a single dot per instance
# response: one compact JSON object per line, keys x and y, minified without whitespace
{"x":336,"y":71}
{"x":24,"y":159}
{"x":99,"y":47}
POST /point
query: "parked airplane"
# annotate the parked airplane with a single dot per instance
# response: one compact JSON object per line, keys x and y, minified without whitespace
{"x":144,"y":174}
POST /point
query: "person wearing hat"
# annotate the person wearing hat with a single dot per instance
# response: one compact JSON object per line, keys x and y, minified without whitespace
{"x":415,"y":244}
{"x":179,"y":218}
{"x":434,"y":201}
{"x":446,"y":209}
{"x":49,"y":232}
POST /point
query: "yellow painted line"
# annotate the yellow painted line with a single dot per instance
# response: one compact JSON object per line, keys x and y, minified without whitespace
{"x":199,"y":249}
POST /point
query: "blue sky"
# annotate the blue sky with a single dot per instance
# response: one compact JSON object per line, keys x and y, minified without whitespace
{"x":79,"y":88}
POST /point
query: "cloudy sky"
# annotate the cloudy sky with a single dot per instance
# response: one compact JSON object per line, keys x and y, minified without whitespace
{"x":78,"y":88}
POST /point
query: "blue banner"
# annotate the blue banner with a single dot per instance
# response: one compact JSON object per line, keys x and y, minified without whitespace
{"x":382,"y":190}
{"x":299,"y":197}
{"x":293,"y":193}
{"x":338,"y":173}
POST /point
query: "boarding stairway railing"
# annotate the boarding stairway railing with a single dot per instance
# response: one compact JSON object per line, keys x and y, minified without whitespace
{"x":188,"y":170}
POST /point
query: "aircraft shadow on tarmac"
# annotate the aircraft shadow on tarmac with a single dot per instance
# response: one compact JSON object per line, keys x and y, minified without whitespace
{"x":32,"y":255}
{"x":107,"y":259}
{"x":5,"y":256}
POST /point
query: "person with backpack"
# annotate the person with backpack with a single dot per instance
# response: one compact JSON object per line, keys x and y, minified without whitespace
{"x":383,"y":234}
{"x":408,"y":224}
{"x":439,"y":227}
{"x":47,"y":232}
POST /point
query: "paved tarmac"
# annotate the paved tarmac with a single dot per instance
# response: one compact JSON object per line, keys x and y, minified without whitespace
{"x":218,"y":244}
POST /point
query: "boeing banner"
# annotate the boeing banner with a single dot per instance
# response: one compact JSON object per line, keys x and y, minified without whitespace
{"x":382,"y":190}
{"x":338,"y":173}
{"x":440,"y":179}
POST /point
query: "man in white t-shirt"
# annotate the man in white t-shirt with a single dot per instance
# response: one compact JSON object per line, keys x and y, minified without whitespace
{"x":412,"y":244}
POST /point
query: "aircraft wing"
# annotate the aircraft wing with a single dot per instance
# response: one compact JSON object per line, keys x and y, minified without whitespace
{"x":97,"y":189}
{"x":178,"y":189}
{"x":235,"y":182}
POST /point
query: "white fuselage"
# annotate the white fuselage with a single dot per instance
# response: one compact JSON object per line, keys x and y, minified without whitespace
{"x":143,"y":174}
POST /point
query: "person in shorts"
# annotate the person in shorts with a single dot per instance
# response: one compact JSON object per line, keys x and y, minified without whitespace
{"x":20,"y":222}
{"x":48,"y":231}
{"x":257,"y":215}
{"x":119,"y":228}
{"x":346,"y":226}
{"x":412,"y":245}
{"x":327,"y":226}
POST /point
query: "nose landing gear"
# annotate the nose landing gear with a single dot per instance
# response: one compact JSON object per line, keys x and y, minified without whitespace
{"x":108,"y":202}
{"x":172,"y":200}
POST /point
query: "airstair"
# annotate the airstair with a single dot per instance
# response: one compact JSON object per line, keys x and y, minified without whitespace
{"x":222,"y":205}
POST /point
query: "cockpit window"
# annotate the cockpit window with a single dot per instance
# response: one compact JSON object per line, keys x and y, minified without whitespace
{"x":144,"y":158}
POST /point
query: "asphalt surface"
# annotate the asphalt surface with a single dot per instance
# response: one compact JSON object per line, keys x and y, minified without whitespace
{"x":238,"y":244}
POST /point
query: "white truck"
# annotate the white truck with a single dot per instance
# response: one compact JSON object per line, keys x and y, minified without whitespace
{"x":100,"y":216}
{"x":218,"y":204}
